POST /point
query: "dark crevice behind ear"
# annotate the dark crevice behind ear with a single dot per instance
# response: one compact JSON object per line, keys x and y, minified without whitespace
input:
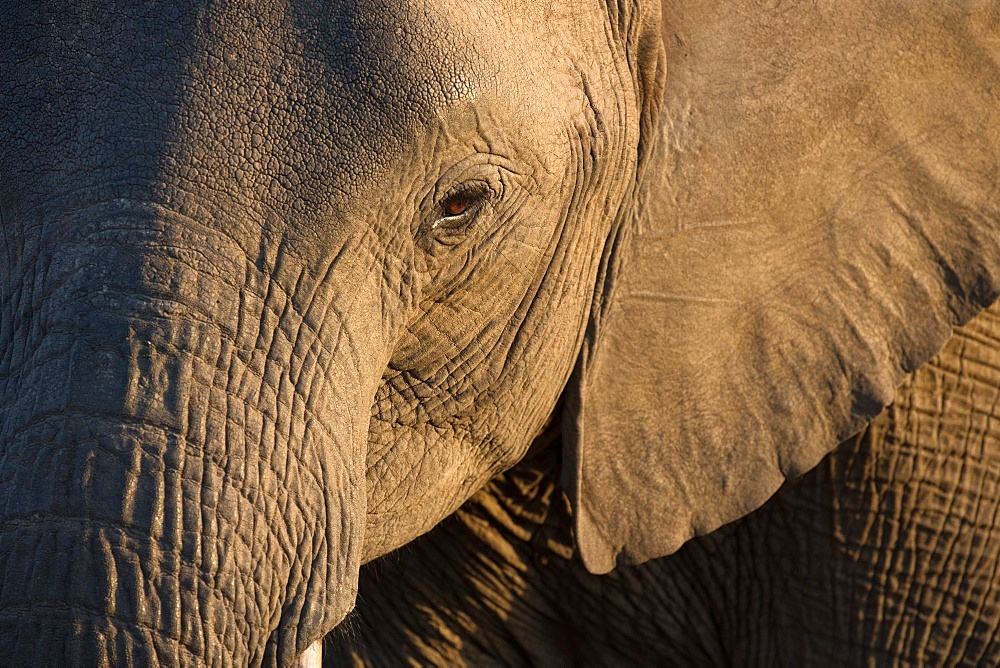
{"x":819,"y":208}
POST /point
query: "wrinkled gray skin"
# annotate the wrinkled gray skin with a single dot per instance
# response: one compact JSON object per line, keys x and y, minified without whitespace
{"x":284,"y":284}
{"x":886,"y":554}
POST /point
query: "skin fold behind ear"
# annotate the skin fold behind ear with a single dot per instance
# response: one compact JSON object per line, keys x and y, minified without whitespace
{"x":819,"y":210}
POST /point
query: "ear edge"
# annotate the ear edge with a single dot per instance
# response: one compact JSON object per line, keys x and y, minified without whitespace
{"x":926,"y":188}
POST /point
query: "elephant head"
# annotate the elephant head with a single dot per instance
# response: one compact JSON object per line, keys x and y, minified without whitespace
{"x":285,"y":283}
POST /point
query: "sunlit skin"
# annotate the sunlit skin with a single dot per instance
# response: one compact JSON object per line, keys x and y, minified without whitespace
{"x":284,"y":284}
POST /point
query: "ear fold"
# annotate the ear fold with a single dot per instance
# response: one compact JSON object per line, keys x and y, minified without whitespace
{"x":821,"y":207}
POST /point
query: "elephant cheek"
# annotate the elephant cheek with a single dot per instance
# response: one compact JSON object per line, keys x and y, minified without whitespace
{"x":167,"y":492}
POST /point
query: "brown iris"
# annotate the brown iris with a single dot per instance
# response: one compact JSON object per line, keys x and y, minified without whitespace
{"x":456,"y":206}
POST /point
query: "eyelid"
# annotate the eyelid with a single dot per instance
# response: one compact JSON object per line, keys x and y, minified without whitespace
{"x":479,"y":195}
{"x":479,"y":185}
{"x":483,"y":178}
{"x":481,"y":169}
{"x":478,"y":191}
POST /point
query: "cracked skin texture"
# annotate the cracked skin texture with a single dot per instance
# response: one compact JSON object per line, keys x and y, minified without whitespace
{"x":243,"y":346}
{"x":887,"y":553}
{"x":284,"y":284}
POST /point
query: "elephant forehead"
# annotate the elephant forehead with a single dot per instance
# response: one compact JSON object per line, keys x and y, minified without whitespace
{"x":235,"y":89}
{"x":361,"y":78}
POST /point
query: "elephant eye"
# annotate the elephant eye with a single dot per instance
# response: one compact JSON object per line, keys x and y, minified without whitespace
{"x":456,"y":205}
{"x":459,"y":205}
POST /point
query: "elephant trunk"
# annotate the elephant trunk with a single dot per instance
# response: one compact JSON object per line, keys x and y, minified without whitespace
{"x":164,"y":483}
{"x":105,"y":558}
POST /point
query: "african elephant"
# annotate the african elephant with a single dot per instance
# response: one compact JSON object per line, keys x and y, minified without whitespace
{"x":286,"y":283}
{"x":887,"y":553}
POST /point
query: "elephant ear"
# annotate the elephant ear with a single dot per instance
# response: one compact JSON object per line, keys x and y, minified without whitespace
{"x":819,"y":208}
